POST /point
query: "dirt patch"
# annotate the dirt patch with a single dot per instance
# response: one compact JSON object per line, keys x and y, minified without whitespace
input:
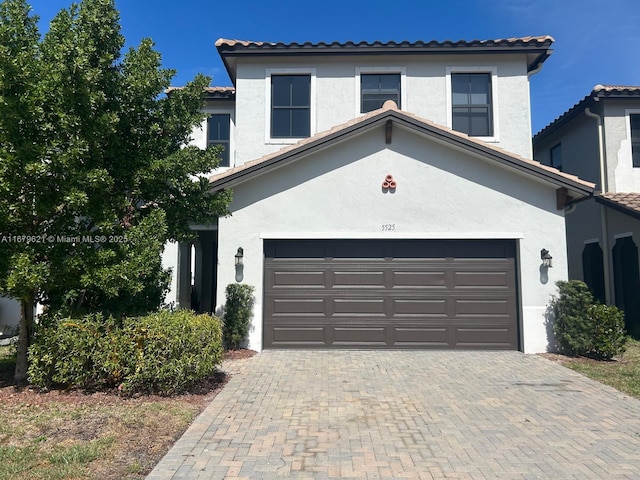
{"x":138,"y":431}
{"x":239,"y":354}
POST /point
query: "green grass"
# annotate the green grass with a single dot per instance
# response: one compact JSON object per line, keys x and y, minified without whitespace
{"x":622,"y":374}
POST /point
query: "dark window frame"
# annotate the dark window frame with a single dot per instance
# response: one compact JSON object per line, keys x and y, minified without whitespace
{"x":634,"y":118}
{"x":469,"y":109}
{"x":380,"y":94}
{"x":290,"y":107}
{"x":214,"y":137}
{"x":555,"y":156}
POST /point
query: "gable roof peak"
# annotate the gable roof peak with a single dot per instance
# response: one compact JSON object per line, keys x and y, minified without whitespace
{"x":388,"y":112}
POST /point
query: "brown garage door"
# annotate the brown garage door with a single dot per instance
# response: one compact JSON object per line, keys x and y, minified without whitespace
{"x":390,"y":294}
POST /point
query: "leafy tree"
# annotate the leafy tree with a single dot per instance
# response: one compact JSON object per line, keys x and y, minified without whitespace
{"x":94,"y":174}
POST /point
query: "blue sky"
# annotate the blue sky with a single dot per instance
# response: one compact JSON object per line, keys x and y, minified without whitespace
{"x":596,"y":41}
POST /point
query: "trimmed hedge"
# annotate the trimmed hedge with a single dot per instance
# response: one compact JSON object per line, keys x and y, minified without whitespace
{"x":237,"y":314}
{"x":584,"y":327}
{"x":164,"y":352}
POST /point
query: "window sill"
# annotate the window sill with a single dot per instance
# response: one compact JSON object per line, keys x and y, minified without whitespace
{"x":284,"y":141}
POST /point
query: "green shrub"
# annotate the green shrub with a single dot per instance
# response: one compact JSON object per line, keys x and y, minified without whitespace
{"x":164,"y":352}
{"x":173,"y":351}
{"x":583,"y":327}
{"x":609,"y":336}
{"x":237,"y":314}
{"x":571,"y":312}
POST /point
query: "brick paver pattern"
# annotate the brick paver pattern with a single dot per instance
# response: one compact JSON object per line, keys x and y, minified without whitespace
{"x":408,"y":415}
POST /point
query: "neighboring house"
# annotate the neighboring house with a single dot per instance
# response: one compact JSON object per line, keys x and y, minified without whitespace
{"x":384,"y":196}
{"x":598,"y":139}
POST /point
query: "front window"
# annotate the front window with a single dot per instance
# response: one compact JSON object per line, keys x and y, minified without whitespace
{"x":556,"y":157}
{"x":218,"y":133}
{"x":290,"y":106}
{"x":378,"y":88}
{"x":635,"y":139}
{"x":472,"y":104}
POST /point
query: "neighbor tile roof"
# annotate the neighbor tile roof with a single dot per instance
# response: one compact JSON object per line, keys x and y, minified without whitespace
{"x":626,"y":202}
{"x":537,"y":48}
{"x":598,"y":92}
{"x":322,"y":139}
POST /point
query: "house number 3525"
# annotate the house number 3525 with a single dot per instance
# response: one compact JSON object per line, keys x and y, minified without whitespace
{"x":388,"y":227}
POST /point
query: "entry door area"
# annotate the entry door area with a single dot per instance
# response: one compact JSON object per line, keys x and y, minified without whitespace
{"x":453,"y":294}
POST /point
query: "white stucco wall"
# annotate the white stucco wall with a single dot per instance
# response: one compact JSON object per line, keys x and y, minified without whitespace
{"x":9,"y":315}
{"x":623,"y":177}
{"x":335,"y":94}
{"x":441,"y":193}
{"x":170,"y":261}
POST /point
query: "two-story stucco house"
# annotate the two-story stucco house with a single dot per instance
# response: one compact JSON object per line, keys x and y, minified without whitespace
{"x":384,"y":196}
{"x":598,"y":139}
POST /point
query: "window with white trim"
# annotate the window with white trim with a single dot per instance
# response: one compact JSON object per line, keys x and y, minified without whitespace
{"x":290,"y":106}
{"x":377,"y":88}
{"x":472,"y":104}
{"x":219,"y":133}
{"x":374,"y":85}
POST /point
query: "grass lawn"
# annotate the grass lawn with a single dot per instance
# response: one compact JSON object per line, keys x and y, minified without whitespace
{"x":621,"y":373}
{"x":73,"y":435}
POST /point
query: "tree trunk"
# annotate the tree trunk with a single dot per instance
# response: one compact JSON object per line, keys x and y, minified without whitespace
{"x":25,"y":330}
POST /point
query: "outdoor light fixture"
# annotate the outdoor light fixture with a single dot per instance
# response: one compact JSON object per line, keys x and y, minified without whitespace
{"x":546,"y":258}
{"x":239,"y":257}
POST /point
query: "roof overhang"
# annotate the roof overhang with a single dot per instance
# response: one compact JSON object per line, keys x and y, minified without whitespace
{"x":627,"y":203}
{"x":537,"y":49}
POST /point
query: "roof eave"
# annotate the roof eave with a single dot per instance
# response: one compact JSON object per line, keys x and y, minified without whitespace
{"x":618,"y":207}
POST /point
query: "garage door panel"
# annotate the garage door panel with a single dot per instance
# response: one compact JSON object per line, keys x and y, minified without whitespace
{"x":419,"y":279}
{"x":346,"y":279}
{"x":287,"y":336}
{"x":421,"y":336}
{"x":298,"y":279}
{"x":360,"y":335}
{"x":418,"y":307}
{"x":417,"y":294}
{"x":298,"y":307}
{"x":496,"y":337}
{"x":480,"y":307}
{"x":482,"y":279}
{"x":359,"y":306}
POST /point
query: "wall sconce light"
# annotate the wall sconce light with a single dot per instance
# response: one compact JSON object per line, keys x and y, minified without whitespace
{"x":239,"y":257}
{"x":547,"y":260}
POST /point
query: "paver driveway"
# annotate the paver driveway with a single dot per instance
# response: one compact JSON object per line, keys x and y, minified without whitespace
{"x":417,"y":414}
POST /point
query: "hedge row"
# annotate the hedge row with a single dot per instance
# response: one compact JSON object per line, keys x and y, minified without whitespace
{"x":164,"y":352}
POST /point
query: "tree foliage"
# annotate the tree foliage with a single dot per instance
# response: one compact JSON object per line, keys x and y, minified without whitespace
{"x":94,"y":173}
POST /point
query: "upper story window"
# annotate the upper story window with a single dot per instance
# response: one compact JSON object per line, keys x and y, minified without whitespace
{"x":376,"y":84}
{"x":219,"y":133}
{"x":290,"y":106}
{"x":377,"y":88}
{"x":634,"y":121}
{"x":472,"y":104}
{"x":556,"y":156}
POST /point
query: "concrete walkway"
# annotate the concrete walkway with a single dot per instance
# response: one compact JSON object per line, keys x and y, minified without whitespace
{"x":395,"y":415}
